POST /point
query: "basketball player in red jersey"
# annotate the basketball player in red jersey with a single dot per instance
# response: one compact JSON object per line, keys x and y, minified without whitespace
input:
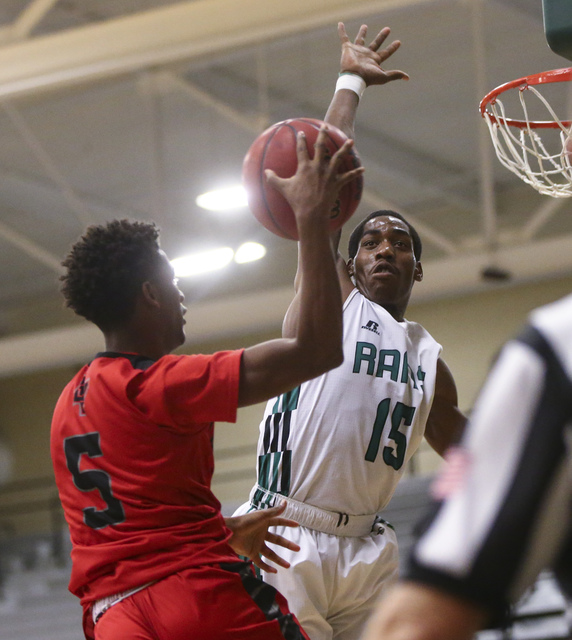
{"x":132,"y":432}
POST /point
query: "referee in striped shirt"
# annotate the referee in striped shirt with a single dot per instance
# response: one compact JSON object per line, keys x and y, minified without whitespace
{"x":502,"y":508}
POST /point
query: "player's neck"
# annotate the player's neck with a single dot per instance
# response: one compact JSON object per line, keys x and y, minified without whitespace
{"x":126,"y":341}
{"x":395,"y":310}
{"x":397,"y":314}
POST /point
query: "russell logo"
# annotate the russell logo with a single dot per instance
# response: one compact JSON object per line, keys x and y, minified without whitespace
{"x":371,"y":326}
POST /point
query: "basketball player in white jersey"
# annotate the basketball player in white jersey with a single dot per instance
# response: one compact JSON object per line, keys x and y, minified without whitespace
{"x":335,"y":447}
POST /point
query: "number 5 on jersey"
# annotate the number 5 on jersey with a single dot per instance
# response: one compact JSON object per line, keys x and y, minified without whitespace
{"x":88,"y":444}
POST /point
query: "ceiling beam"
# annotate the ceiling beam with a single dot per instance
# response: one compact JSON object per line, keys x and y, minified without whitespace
{"x":74,"y":202}
{"x":486,"y":170}
{"x":30,"y":17}
{"x":30,"y":248}
{"x":27,"y":21}
{"x":166,"y":80}
{"x":428,"y":234}
{"x":184,"y":31}
{"x":543,"y":214}
{"x":423,"y":172}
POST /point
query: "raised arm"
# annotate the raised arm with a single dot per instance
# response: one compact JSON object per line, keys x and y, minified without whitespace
{"x":274,"y":367}
{"x":360,"y":67}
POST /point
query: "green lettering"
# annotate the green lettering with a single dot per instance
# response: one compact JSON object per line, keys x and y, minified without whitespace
{"x":420,"y":375}
{"x":365,"y":351}
{"x":405,"y":370}
{"x":392,"y":366}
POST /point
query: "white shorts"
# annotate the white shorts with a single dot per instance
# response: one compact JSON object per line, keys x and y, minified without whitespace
{"x":334,"y":582}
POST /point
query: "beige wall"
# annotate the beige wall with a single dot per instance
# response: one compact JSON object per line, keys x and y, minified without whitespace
{"x":26,"y":404}
{"x":471,"y":329}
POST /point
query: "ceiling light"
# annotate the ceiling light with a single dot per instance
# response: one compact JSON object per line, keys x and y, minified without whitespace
{"x":203,"y":262}
{"x":249,"y":252}
{"x":223,"y":199}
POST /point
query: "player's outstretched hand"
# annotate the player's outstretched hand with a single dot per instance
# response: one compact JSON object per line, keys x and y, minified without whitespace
{"x":366,"y":61}
{"x":313,"y":189}
{"x":250,"y":535}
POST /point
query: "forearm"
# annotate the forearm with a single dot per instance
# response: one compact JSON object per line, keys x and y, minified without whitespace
{"x":290,"y":324}
{"x":417,"y":612}
{"x":312,"y":331}
{"x":342,"y":111}
{"x":447,"y":432}
{"x":319,"y":321}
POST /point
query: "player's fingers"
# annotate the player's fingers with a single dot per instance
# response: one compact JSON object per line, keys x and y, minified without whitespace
{"x":344,"y":178}
{"x":342,"y":33}
{"x":301,"y":147}
{"x":361,"y":34}
{"x":388,"y":51}
{"x":396,"y":75}
{"x":268,"y":553}
{"x":272,"y":512}
{"x":320,"y":147}
{"x":283,"y":522}
{"x":281,"y":541}
{"x":259,"y":562}
{"x":270,"y":175}
{"x":379,"y":39}
{"x":272,"y":179}
{"x":342,"y":151}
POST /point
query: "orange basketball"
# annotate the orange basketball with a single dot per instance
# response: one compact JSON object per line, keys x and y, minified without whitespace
{"x":275,"y":149}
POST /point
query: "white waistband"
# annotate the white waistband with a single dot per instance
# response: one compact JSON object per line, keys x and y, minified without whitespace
{"x":332,"y":522}
{"x":99,"y":607}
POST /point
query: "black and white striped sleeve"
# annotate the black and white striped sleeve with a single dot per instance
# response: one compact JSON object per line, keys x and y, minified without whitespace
{"x":502,"y":509}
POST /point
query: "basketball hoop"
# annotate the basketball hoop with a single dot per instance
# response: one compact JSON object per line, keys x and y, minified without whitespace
{"x":544,"y":161}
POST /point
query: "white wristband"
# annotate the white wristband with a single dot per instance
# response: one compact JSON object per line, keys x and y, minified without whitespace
{"x":351,"y":81}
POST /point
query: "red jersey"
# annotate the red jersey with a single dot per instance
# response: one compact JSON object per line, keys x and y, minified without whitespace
{"x":131,"y":445}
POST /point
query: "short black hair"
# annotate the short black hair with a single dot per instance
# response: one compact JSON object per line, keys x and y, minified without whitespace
{"x":105,"y":269}
{"x":357,"y":233}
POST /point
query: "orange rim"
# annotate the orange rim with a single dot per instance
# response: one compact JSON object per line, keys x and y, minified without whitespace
{"x":546,"y":77}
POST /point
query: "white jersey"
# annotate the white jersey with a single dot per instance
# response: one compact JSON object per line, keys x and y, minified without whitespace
{"x":341,"y":441}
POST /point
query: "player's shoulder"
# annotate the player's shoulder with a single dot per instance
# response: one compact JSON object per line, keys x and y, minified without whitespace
{"x":73,"y":384}
{"x":122,"y":365}
{"x":120,"y":360}
{"x":126,"y":363}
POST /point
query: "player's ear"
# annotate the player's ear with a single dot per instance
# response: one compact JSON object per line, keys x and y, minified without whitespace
{"x":350,"y":267}
{"x":418,"y":272}
{"x":150,"y":294}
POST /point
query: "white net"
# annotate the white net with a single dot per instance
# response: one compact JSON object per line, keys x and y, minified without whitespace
{"x":539,"y":156}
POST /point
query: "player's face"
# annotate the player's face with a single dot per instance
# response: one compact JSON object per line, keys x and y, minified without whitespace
{"x":172,"y":308}
{"x":385,"y":266}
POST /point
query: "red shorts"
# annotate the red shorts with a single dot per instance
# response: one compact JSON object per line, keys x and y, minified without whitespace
{"x":212,"y":602}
